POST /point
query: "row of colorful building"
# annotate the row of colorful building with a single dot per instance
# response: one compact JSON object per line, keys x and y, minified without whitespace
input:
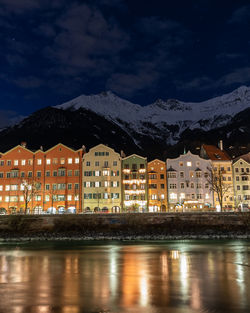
{"x":101,"y":180}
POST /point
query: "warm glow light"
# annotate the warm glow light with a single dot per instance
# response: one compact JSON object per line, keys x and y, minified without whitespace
{"x":142,"y":170}
{"x":135,"y":192}
{"x":134,"y":181}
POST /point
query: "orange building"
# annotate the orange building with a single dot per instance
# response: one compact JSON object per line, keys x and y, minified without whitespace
{"x":41,"y":181}
{"x":157,"y":186}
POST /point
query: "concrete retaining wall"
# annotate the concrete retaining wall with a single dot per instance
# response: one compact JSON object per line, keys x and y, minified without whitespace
{"x":119,"y":226}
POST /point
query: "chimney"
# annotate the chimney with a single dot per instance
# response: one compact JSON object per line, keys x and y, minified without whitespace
{"x":221,"y":145}
{"x":83,"y":149}
{"x":123,"y":155}
{"x":41,"y":148}
{"x":24,"y":144}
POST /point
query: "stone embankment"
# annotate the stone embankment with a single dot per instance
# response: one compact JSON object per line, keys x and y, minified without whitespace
{"x":135,"y":226}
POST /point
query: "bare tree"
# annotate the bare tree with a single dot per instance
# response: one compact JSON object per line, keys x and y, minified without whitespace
{"x":30,"y":188}
{"x":217,"y":183}
{"x":52,"y":194}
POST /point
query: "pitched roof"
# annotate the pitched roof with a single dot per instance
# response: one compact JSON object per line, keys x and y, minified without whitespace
{"x":245,"y":157}
{"x":216,"y":154}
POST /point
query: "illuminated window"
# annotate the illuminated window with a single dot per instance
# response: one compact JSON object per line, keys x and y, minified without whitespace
{"x":39,"y":161}
{"x":48,"y":161}
{"x":69,"y":197}
{"x":69,"y":160}
{"x":76,"y":160}
{"x":62,"y":161}
{"x":15,"y":162}
{"x":182,"y":195}
{"x":105,"y":195}
{"x":173,"y":196}
{"x":14,"y":187}
{"x":189,"y":163}
{"x":23,"y":162}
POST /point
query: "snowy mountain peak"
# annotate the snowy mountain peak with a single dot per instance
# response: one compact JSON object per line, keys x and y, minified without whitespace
{"x":207,"y":114}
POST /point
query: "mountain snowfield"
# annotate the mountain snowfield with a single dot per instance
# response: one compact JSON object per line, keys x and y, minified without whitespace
{"x":154,"y":119}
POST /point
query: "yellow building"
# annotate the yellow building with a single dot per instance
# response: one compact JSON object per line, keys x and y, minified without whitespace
{"x":221,"y":162}
{"x":101,"y":180}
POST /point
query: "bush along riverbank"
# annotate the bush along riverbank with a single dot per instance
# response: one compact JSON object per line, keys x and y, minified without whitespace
{"x":148,"y":226}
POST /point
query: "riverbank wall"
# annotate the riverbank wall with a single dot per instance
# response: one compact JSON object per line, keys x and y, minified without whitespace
{"x":132,"y":226}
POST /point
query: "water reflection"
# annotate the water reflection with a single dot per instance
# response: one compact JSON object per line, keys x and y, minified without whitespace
{"x":171,"y":277}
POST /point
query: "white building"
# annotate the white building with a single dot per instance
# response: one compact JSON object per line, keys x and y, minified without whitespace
{"x":188,"y":188}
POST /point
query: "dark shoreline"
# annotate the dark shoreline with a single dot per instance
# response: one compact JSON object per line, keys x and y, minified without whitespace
{"x":129,"y":227}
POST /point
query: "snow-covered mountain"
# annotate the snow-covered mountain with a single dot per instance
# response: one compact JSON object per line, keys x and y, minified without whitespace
{"x":160,"y":129}
{"x":157,"y":116}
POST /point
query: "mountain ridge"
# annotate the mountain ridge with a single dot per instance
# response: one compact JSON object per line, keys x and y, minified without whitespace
{"x":158,"y":130}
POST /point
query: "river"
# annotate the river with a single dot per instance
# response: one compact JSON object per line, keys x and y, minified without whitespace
{"x":148,"y":277}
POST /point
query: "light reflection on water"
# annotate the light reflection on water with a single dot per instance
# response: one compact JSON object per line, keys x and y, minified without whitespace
{"x":173,"y":277}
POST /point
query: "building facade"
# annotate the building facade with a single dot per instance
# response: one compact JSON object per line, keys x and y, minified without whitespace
{"x":40,"y":181}
{"x":241,"y":176}
{"x":188,"y":188}
{"x":101,"y":179}
{"x":221,"y":163}
{"x":134,"y":183}
{"x":157,"y":186}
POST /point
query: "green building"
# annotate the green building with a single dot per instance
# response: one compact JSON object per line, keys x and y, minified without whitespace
{"x":134,"y":184}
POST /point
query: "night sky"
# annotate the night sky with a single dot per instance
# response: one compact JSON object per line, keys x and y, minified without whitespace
{"x":54,"y":50}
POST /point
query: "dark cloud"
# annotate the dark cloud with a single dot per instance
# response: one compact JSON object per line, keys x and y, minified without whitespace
{"x":28,"y":82}
{"x":129,"y":84}
{"x":21,"y":6}
{"x":8,"y":117}
{"x":241,"y":15}
{"x":237,"y":76}
{"x":16,"y":60}
{"x":200,"y":83}
{"x":227,"y":56}
{"x":155,"y":61}
{"x":86,"y":41}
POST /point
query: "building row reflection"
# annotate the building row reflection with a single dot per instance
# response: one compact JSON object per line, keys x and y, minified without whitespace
{"x":120,"y":277}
